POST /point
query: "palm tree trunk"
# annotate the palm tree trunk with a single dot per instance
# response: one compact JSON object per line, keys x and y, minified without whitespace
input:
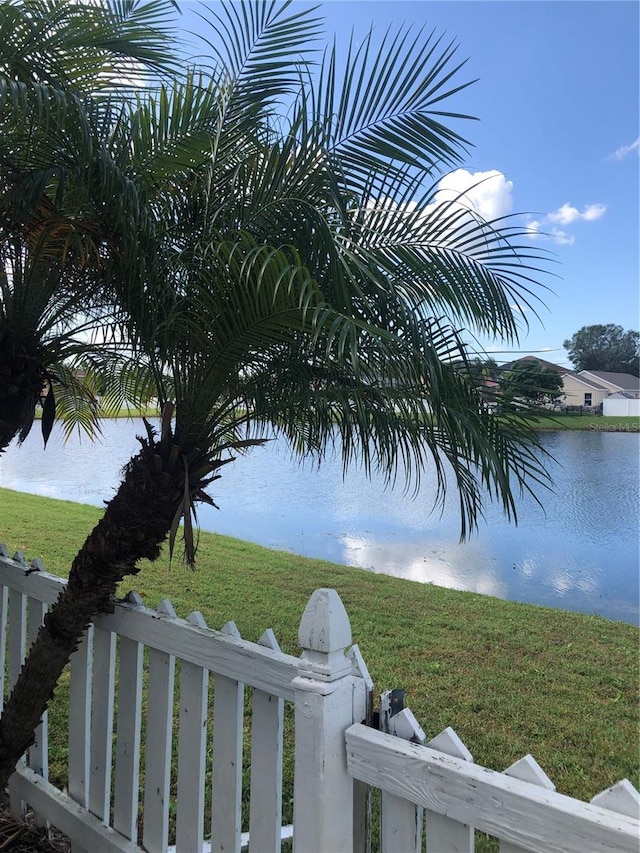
{"x":21,"y":382}
{"x":134,"y":526}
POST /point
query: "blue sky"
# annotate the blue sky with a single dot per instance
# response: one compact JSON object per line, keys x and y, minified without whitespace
{"x":557,"y":98}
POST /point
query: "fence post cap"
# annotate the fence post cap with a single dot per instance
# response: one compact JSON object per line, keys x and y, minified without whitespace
{"x":324,"y":634}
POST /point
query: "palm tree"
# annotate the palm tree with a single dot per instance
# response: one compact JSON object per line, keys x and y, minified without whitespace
{"x":64,"y":205}
{"x":298,"y":280}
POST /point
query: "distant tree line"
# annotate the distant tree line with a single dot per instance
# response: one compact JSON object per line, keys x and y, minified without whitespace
{"x":605,"y":347}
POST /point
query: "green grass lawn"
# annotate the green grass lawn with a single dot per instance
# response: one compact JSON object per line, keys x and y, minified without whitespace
{"x":592,"y":423}
{"x":127,"y":412}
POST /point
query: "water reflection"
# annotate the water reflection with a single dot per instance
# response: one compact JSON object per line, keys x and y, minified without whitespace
{"x":580,"y":552}
{"x":426,"y":561}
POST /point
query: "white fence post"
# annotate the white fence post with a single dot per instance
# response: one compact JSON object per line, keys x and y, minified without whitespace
{"x":323,"y":792}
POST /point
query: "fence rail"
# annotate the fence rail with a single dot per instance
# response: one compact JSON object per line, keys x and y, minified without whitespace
{"x":160,"y":709}
{"x":524,"y":815}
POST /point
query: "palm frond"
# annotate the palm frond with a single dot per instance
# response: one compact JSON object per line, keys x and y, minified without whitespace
{"x":257,"y":51}
{"x":441,"y":257}
{"x":407,"y":422}
{"x":379,"y":112}
{"x":70,"y":44}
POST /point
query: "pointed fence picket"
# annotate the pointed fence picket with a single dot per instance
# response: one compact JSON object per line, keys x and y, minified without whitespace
{"x":228,"y":712}
{"x":194,"y":685}
{"x":80,"y":678}
{"x":440,"y":829}
{"x":159,"y":736}
{"x":128,"y":733}
{"x":102,"y":699}
{"x":400,"y":819}
{"x":17,"y":642}
{"x":265,"y":818}
{"x":38,"y":754}
{"x":144,"y":676}
{"x":526,"y":769}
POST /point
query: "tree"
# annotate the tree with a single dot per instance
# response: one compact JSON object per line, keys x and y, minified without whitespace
{"x":64,"y":206}
{"x":532,"y":383}
{"x":482,"y":374}
{"x":605,"y":347}
{"x":295,"y":277}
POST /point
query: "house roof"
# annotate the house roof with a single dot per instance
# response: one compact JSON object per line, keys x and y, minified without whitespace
{"x":584,"y":380}
{"x":625,"y":381}
{"x":548,"y":364}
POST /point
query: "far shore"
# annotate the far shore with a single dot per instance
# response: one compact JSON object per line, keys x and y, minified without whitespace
{"x":589,"y":422}
{"x":583,"y":422}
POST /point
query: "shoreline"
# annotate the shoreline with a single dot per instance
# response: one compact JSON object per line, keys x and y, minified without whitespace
{"x":587,"y":423}
{"x":577,"y":423}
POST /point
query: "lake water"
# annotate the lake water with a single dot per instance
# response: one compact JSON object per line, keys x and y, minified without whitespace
{"x":580,"y":553}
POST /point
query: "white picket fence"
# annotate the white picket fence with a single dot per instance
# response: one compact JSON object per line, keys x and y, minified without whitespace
{"x":139,"y":706}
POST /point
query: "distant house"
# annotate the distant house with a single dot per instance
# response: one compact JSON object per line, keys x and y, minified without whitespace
{"x":583,"y":391}
{"x":615,"y":382}
{"x":590,"y":388}
{"x":538,"y":362}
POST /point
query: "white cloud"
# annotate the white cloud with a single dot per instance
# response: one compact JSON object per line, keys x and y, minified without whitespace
{"x":593,"y":211}
{"x":561,"y":237}
{"x":537,"y":229}
{"x":488,"y":193}
{"x":566,"y":214}
{"x":477,"y":196}
{"x":625,"y":150}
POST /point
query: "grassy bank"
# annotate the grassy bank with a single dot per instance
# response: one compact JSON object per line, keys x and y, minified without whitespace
{"x":148,"y":412}
{"x":592,"y":423}
{"x":510,"y":678}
